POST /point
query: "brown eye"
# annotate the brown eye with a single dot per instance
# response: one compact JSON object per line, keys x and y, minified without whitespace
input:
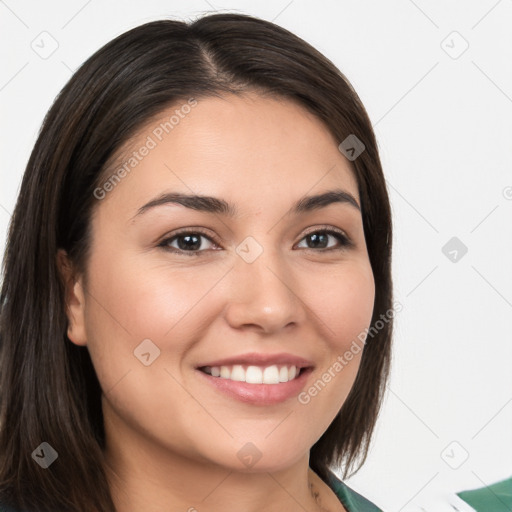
{"x":187,"y":242}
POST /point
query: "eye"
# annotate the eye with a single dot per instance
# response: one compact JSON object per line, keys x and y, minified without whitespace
{"x":188,"y":242}
{"x":320,"y":239}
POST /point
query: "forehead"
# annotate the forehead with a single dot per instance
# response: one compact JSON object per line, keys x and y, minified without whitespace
{"x":250,"y":148}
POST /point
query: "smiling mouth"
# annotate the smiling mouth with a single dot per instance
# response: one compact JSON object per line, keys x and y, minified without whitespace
{"x":273,"y":374}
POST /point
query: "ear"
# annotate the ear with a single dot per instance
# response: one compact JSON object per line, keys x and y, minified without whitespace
{"x":74,"y":299}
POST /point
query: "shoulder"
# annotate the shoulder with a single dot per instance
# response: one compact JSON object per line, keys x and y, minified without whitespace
{"x":350,"y":499}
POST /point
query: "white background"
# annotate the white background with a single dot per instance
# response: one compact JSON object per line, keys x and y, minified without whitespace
{"x":444,"y":127}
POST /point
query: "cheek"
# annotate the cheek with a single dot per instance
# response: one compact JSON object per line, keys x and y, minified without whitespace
{"x":128,"y":303}
{"x":344,"y":302}
{"x":344,"y":306}
{"x":147,"y":301}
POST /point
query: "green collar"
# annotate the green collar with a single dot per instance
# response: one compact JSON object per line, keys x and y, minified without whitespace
{"x":350,"y":499}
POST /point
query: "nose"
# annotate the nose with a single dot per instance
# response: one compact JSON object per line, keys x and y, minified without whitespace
{"x":264,"y":295}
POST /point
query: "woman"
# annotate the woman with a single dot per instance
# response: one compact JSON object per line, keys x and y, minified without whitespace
{"x":197,"y":297}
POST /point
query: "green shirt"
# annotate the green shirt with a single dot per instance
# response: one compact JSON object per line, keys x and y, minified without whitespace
{"x":493,"y":498}
{"x":351,"y":500}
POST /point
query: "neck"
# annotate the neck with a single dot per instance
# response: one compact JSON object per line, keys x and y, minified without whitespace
{"x":195,"y":487}
{"x":149,"y":478}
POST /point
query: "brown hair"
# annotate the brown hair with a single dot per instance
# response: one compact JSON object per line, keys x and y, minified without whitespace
{"x":49,"y":389}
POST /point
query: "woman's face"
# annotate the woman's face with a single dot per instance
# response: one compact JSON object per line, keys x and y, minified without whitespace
{"x":174,"y":290}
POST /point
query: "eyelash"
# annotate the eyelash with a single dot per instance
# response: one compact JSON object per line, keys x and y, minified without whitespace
{"x":345,"y":242}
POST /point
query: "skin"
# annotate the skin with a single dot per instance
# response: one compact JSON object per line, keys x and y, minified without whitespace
{"x":172,"y":440}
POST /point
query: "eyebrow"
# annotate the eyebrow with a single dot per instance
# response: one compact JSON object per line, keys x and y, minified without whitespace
{"x":216,"y":205}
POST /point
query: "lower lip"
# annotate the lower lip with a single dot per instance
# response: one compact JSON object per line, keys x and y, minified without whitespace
{"x":259,"y":394}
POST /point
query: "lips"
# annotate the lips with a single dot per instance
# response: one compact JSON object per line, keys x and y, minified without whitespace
{"x":262,"y":360}
{"x":260,"y":379}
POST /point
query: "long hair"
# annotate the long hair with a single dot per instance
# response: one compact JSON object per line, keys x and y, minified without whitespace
{"x":49,"y":391}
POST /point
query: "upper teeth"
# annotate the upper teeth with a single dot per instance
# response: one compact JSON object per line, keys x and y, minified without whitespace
{"x":254,"y":374}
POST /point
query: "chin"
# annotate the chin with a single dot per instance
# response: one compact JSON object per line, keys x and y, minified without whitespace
{"x":264,"y":457}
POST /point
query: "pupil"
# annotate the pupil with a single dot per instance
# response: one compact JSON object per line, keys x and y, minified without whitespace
{"x":315,"y":240}
{"x":194,"y":245}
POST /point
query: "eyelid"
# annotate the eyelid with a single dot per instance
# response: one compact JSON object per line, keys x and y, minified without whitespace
{"x":339,"y":231}
{"x":185,"y":231}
